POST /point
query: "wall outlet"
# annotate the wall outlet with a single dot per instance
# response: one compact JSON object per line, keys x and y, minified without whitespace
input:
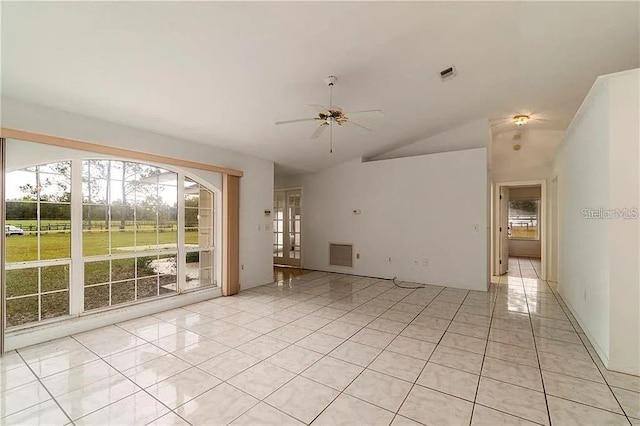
{"x":242,"y":267}
{"x":389,"y":259}
{"x":357,"y":255}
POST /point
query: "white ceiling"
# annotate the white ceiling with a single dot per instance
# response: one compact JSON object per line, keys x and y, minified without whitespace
{"x":533,"y":160}
{"x":223,"y":73}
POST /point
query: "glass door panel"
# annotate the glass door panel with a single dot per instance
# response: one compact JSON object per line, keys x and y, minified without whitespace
{"x":287,"y":248}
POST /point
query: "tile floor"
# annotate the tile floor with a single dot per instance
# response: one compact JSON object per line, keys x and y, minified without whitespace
{"x":330,"y":349}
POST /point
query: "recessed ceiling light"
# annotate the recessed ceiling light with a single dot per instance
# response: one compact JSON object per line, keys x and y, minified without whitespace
{"x":517,"y":147}
{"x":520,"y":119}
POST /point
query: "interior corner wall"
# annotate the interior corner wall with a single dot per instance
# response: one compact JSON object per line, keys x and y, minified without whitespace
{"x":429,"y":207}
{"x":624,"y":244}
{"x":598,"y":171}
{"x":256,"y":186}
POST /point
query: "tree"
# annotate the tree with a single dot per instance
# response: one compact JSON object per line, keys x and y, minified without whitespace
{"x":526,"y":205}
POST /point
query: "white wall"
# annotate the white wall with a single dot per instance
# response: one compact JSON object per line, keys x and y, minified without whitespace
{"x":624,"y":245}
{"x":256,"y":187}
{"x":425,"y":207}
{"x":597,"y":167}
{"x":475,"y":134}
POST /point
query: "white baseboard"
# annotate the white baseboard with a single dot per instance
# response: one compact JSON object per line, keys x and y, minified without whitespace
{"x":601,"y":353}
{"x":54,"y":330}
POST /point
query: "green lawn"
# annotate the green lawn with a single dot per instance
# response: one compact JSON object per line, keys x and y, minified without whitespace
{"x":56,"y":244}
{"x":524,"y":232}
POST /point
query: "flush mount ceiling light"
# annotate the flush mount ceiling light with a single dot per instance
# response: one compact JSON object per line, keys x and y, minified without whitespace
{"x":520,"y":119}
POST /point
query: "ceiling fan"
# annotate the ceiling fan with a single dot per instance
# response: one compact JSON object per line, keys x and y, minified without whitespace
{"x":328,"y":115}
{"x":520,"y":120}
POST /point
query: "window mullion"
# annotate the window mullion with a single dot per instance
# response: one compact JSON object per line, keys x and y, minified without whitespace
{"x":181,"y":279}
{"x":76,"y":284}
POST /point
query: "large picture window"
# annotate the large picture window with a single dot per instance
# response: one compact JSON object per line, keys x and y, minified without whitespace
{"x":523,"y":219}
{"x":128,"y":209}
{"x":130,"y":220}
{"x":38,"y":243}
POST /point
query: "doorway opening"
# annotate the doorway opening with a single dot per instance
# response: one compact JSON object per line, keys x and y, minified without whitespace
{"x":287,"y":228}
{"x":519,"y":226}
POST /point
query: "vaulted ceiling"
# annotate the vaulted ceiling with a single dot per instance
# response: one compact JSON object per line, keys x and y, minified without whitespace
{"x":223,"y":73}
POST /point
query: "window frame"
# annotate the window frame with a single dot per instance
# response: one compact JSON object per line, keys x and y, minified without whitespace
{"x":77,"y":259}
{"x":39,"y":263}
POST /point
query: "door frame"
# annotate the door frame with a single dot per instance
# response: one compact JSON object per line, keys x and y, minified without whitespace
{"x":285,"y":226}
{"x":542,"y":217}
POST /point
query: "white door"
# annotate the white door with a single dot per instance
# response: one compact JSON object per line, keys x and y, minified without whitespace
{"x":504,"y":230}
{"x":287,"y":221}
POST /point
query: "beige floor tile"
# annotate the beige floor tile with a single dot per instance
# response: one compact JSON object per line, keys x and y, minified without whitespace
{"x":379,"y":389}
{"x":513,"y":399}
{"x":138,"y":408}
{"x":347,"y":411}
{"x":333,"y":372}
{"x":516,"y":374}
{"x":428,"y":406}
{"x":484,"y":416}
{"x":295,"y":358}
{"x":449,"y":380}
{"x":355,"y":353}
{"x":302,"y":398}
{"x":457,"y":358}
{"x":466,"y":343}
{"x":587,"y":392}
{"x":629,"y":400}
{"x":397,"y":365}
{"x":412,"y":347}
{"x":220,"y":405}
{"x":571,"y":413}
{"x":265,"y":415}
{"x":261,"y":380}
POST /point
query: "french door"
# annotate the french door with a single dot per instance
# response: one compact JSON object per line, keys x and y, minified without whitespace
{"x":287,"y":221}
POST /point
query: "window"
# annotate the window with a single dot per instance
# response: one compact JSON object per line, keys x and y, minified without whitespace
{"x":198,"y":235}
{"x":523,"y":219}
{"x":133,"y":217}
{"x":38,"y":243}
{"x":129,"y":232}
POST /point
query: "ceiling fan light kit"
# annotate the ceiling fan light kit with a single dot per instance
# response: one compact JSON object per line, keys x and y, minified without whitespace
{"x":521,"y":119}
{"x":327,"y":116}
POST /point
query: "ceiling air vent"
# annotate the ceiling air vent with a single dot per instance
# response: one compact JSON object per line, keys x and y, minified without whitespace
{"x":448,"y":73}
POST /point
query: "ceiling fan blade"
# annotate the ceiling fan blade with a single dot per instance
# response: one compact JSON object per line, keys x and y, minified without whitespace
{"x":319,"y":131}
{"x":359,"y":125}
{"x":319,"y":108}
{"x":368,"y":111}
{"x":295,"y":121}
{"x":500,"y":122}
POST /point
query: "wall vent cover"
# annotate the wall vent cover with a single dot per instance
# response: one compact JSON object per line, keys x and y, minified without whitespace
{"x":448,"y":73}
{"x":341,"y":255}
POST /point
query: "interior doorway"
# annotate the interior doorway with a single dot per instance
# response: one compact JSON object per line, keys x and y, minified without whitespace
{"x":287,"y":227}
{"x":519,"y":224}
